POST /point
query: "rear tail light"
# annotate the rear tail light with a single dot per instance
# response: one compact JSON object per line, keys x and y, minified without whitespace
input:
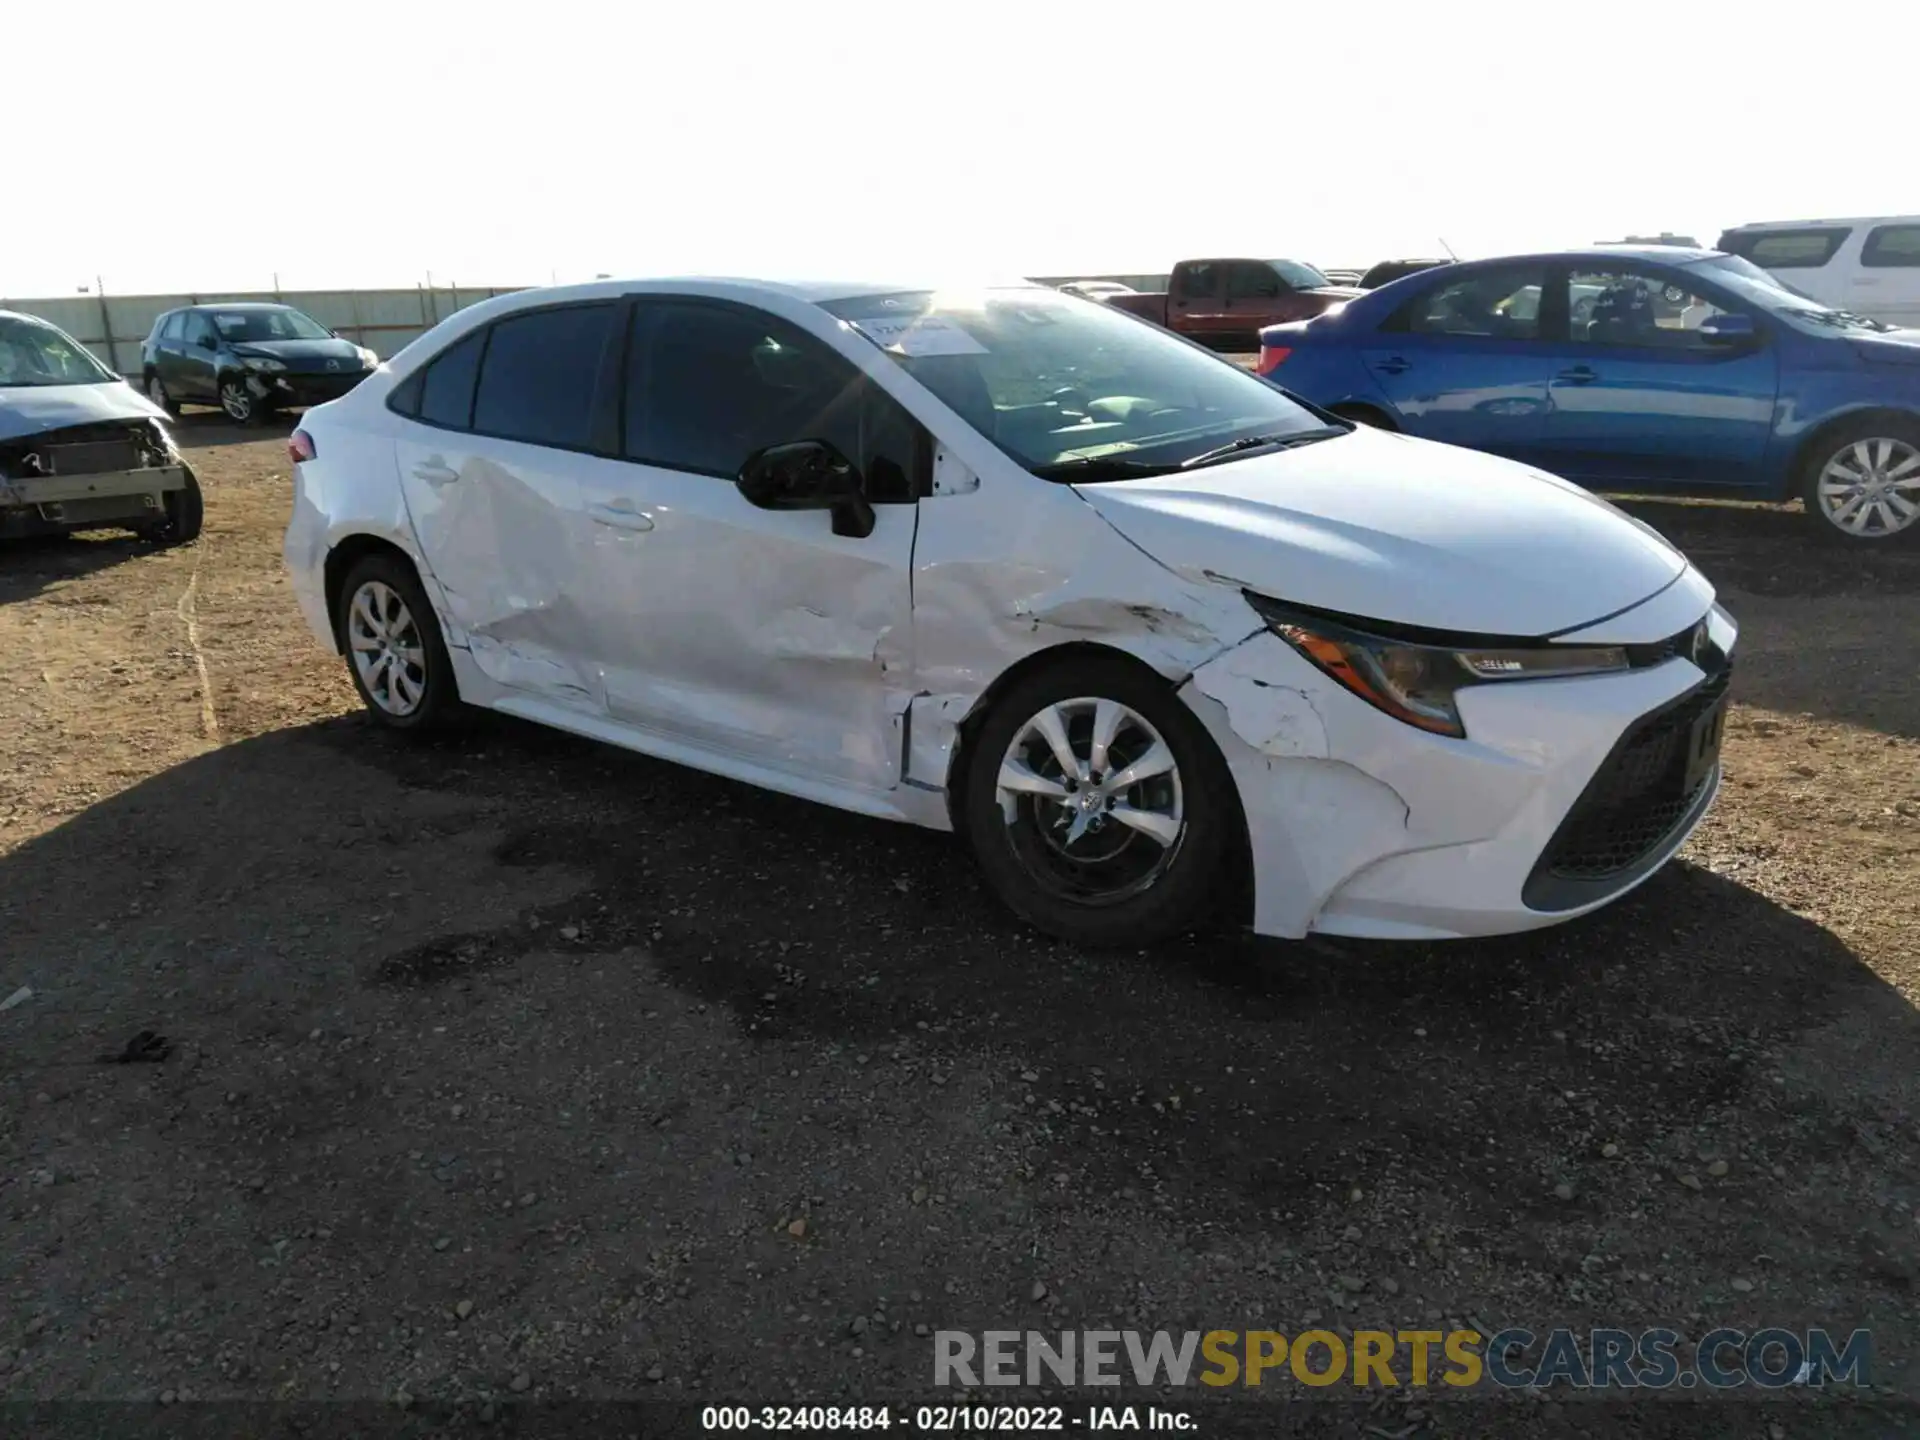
{"x":300,"y":447}
{"x":1272,"y":357}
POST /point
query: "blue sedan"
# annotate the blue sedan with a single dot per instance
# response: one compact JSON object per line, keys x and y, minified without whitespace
{"x":1640,"y":369}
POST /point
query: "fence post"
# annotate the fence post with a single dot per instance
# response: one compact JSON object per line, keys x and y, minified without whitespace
{"x":106,"y":325}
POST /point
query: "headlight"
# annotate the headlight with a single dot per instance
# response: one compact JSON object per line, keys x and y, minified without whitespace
{"x":1417,"y":682}
{"x":368,"y":359}
{"x":262,"y":362}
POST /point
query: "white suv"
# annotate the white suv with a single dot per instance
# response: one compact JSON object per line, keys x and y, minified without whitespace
{"x":1150,"y":634}
{"x":1870,"y":267}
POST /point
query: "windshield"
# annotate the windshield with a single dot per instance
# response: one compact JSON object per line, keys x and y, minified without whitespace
{"x":1762,"y":288}
{"x":1299,"y":274}
{"x":242,"y":327}
{"x":1057,"y":382}
{"x":33,"y":352}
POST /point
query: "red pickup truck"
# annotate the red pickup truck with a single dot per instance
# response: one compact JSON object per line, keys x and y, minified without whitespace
{"x":1225,"y":303}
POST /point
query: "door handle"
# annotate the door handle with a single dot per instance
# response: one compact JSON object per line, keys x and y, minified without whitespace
{"x":1393,"y":365}
{"x":435,"y":472}
{"x":1578,"y":375}
{"x":620,"y":517}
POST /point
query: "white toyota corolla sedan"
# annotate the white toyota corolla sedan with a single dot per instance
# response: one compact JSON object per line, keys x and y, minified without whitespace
{"x":1151,"y":635}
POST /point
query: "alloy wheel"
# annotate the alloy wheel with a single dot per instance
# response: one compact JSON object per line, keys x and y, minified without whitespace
{"x":1092,"y":800}
{"x":388,"y":653}
{"x":157,"y":391}
{"x":1871,"y":488}
{"x":235,"y":400}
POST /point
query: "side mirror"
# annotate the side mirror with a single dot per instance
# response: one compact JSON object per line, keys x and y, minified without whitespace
{"x":207,"y":342}
{"x":808,"y":475}
{"x":1728,"y":330}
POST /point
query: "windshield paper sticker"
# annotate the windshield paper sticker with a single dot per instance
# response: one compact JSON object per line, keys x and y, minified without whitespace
{"x":920,"y":335}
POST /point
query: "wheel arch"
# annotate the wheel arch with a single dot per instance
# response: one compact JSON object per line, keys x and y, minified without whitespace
{"x":1809,"y":445}
{"x":347,"y":553}
{"x":967,"y":731}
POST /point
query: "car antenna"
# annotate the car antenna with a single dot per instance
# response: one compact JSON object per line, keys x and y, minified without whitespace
{"x":1448,"y":248}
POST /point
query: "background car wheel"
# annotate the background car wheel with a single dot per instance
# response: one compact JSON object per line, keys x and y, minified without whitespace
{"x":157,"y":392}
{"x":392,"y":642}
{"x":1862,"y":482}
{"x":1098,"y":807}
{"x":184,"y":511}
{"x":239,"y":403}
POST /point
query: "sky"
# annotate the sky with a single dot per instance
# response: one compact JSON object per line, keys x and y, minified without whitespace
{"x":483,"y":143}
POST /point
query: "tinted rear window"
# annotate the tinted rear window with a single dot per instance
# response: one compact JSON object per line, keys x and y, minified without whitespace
{"x":537,"y":381}
{"x":1805,"y":249}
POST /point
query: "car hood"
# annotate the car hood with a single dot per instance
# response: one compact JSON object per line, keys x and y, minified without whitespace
{"x":32,"y":409}
{"x":1337,"y":292}
{"x":1396,"y":529}
{"x":331,"y":349}
{"x":1894,"y":347}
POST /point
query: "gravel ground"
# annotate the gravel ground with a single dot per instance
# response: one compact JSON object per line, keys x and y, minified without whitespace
{"x":513,"y":1067}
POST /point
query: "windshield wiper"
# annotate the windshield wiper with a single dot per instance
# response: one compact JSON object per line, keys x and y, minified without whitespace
{"x":1260,"y":442}
{"x":1101,"y":467}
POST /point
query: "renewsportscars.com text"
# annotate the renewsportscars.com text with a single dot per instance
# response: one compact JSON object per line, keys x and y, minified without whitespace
{"x":1513,"y":1358}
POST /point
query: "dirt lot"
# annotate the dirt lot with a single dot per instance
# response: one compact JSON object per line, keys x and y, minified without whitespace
{"x":507,"y":1068}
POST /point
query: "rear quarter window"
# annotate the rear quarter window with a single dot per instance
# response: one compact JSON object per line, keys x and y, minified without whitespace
{"x":1803,"y":249}
{"x":446,"y":392}
{"x":1892,"y":247}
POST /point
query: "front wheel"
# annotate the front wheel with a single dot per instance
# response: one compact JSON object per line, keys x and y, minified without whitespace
{"x":1098,"y":808}
{"x":239,"y":403}
{"x":184,"y":511}
{"x":393,"y":647}
{"x":1862,"y":484}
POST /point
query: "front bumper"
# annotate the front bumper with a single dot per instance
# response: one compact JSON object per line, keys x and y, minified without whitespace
{"x":46,"y":503}
{"x":301,"y":387}
{"x":1363,"y":826}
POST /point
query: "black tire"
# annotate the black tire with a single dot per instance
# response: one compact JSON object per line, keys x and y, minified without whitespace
{"x":1182,"y":894}
{"x":439,"y":707}
{"x":239,"y":404}
{"x":1903,"y":433}
{"x":184,"y":512}
{"x":158,"y":393}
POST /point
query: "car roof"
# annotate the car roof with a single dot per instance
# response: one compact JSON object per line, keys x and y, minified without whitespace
{"x":1660,"y":254}
{"x":237,"y":305}
{"x":1836,"y":220}
{"x":812,"y":291}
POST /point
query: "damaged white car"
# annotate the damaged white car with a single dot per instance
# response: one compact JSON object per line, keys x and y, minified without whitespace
{"x":1152,"y":636}
{"x":79,"y":448}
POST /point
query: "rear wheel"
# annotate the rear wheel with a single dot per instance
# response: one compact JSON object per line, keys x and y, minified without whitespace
{"x":1861,"y":484}
{"x":1097,"y":806}
{"x":157,"y":392}
{"x":393,"y":646}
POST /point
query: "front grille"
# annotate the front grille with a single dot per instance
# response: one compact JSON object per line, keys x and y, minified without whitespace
{"x":1641,"y":794}
{"x":99,"y":448}
{"x":95,"y":457}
